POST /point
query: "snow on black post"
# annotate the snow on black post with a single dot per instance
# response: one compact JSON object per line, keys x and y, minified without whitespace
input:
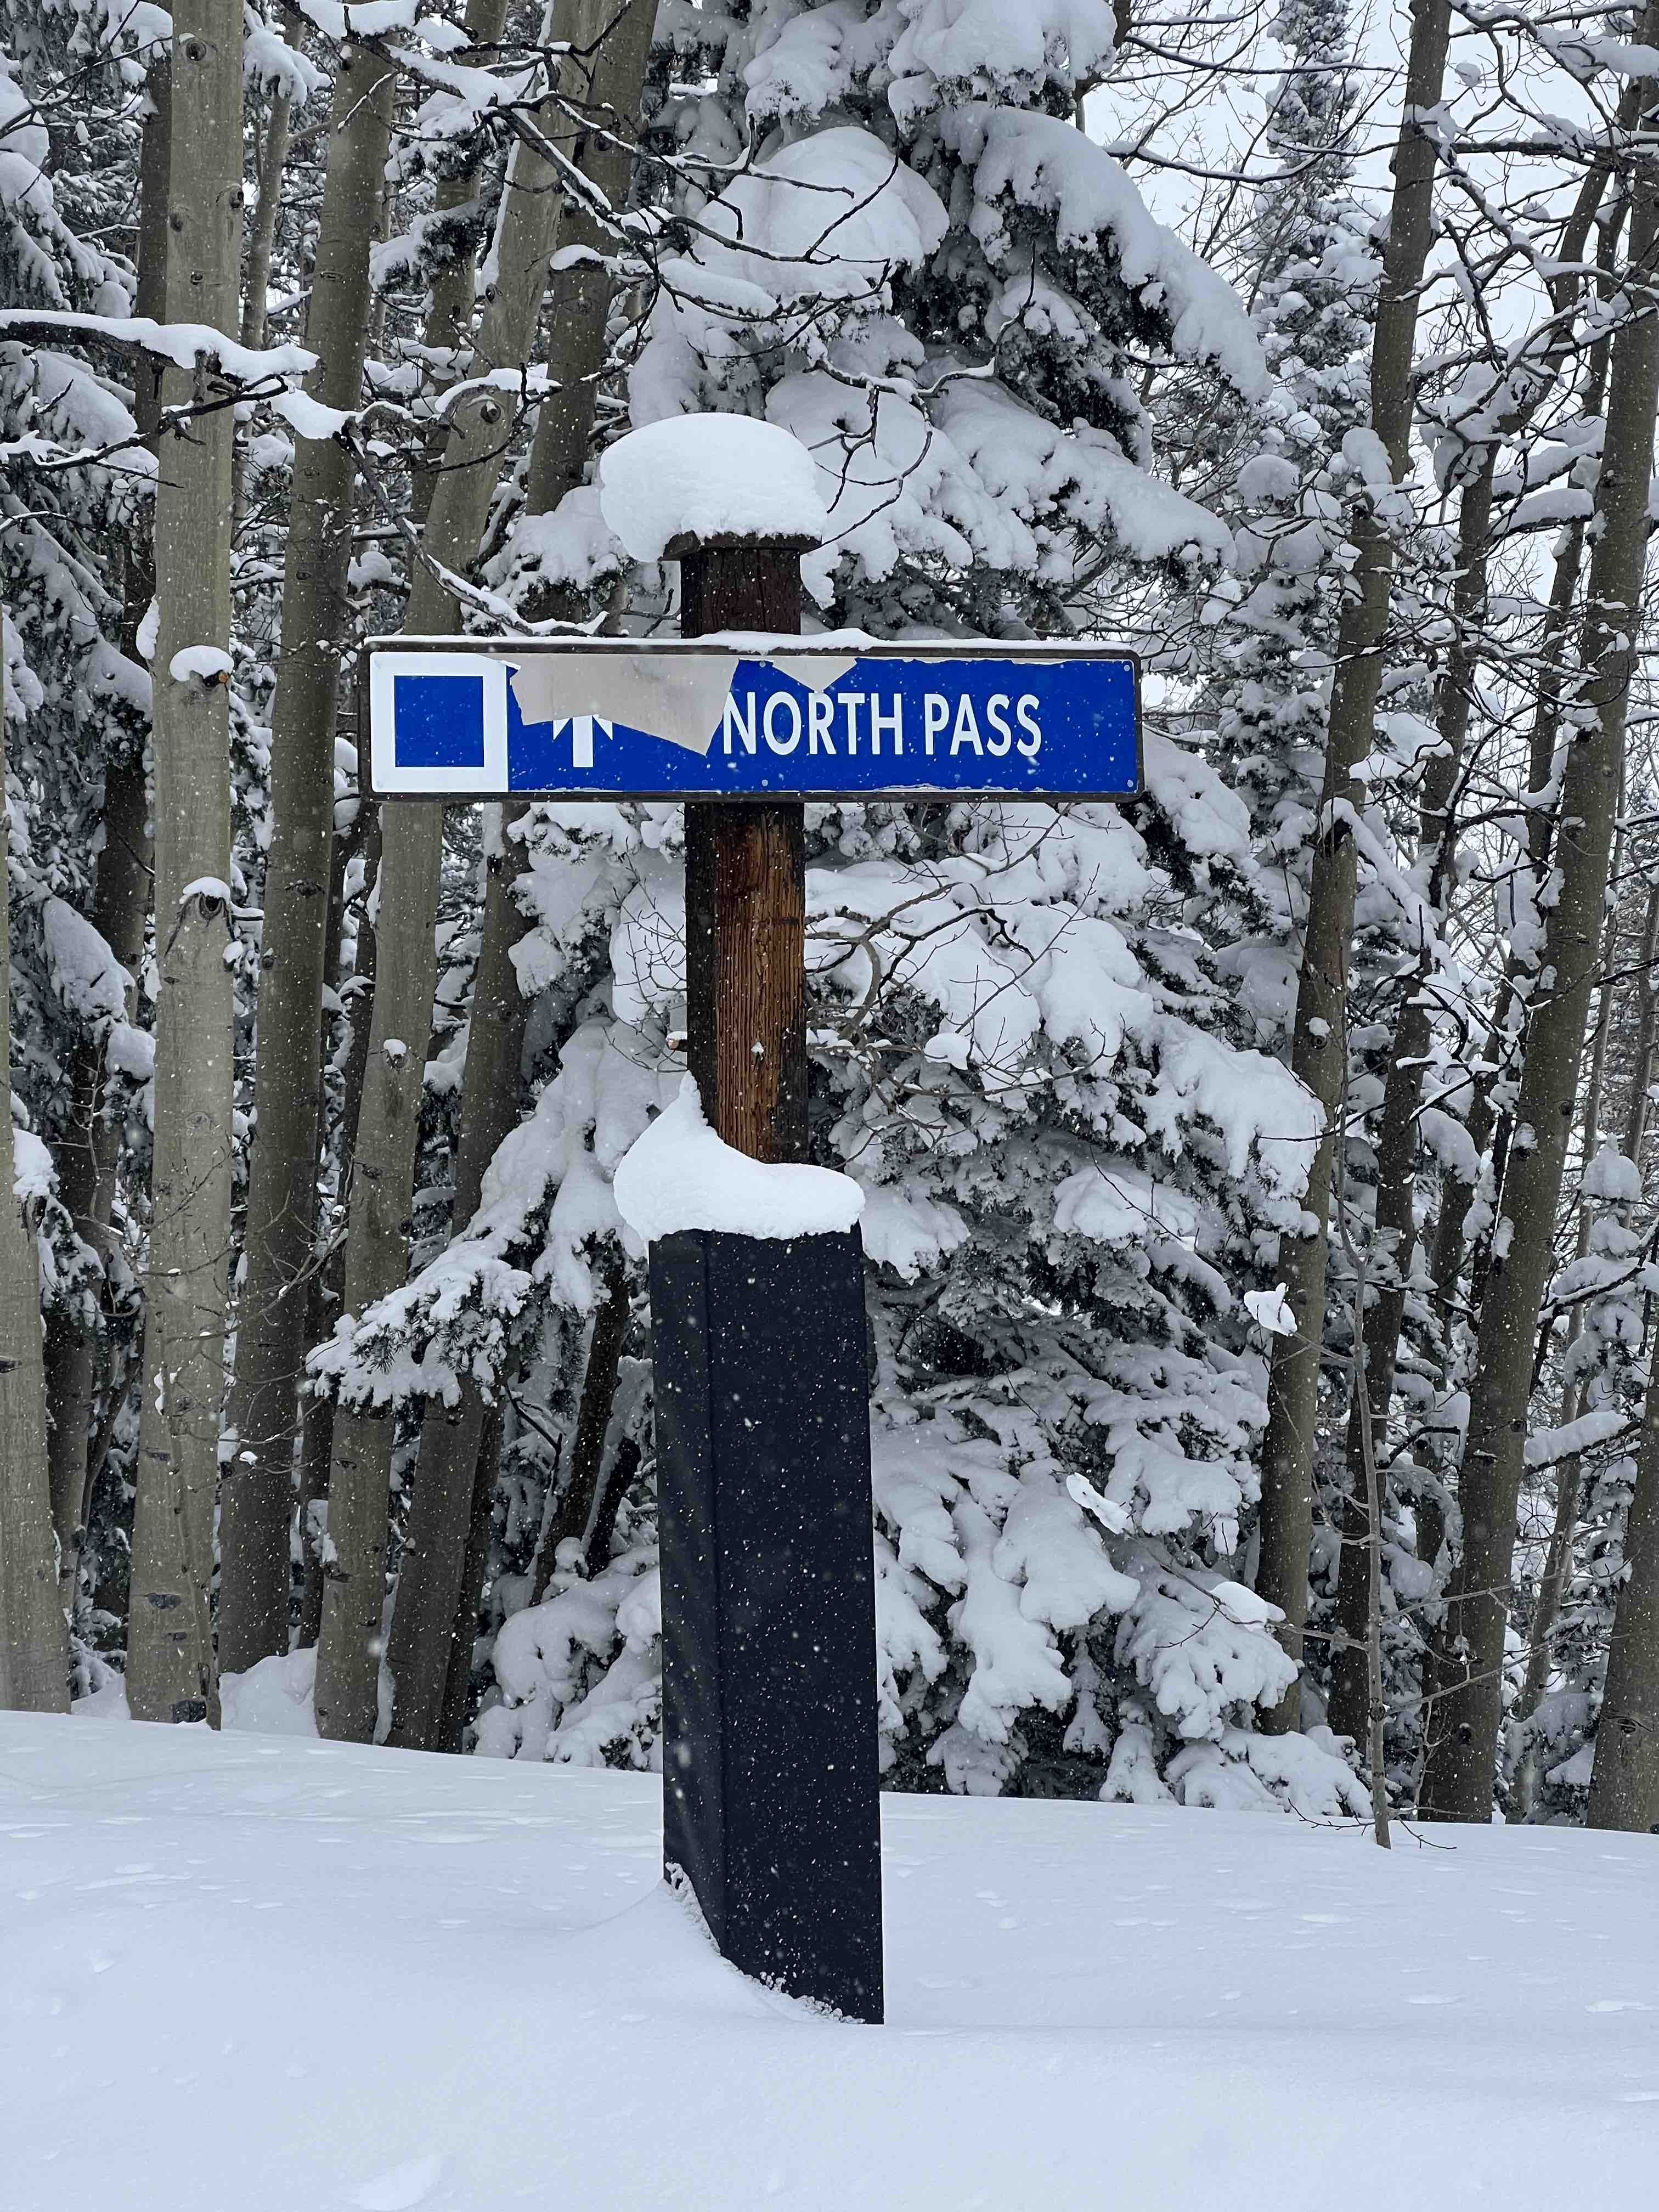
{"x":771,"y":1806}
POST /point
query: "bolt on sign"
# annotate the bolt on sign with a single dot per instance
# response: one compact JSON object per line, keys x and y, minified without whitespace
{"x":740,"y":719}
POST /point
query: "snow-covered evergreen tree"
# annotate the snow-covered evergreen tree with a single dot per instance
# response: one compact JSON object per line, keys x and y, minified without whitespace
{"x":76,"y":483}
{"x":1315,"y":265}
{"x":1075,"y":1162}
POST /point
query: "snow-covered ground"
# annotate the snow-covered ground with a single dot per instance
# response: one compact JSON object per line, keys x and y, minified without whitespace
{"x":258,"y":1974}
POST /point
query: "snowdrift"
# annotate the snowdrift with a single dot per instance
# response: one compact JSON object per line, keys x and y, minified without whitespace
{"x":283,"y":1976}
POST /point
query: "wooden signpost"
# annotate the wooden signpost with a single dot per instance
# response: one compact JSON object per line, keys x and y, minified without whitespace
{"x":745,"y":889}
{"x":771,"y":1804}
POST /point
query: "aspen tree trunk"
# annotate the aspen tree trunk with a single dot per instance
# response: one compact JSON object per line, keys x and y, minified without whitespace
{"x":1396,"y":1165}
{"x":1516,"y":981}
{"x":449,"y":328}
{"x":576,"y":1508}
{"x":450,"y":308}
{"x":1446,"y":1269}
{"x":1567,"y":1474}
{"x":317,"y":1451}
{"x":1375,"y":1714}
{"x":33,"y":1640}
{"x":262,"y":235}
{"x":170,"y":1665}
{"x":88,"y":1158}
{"x":411,"y":850}
{"x":1396,"y":1158}
{"x":271,"y":163}
{"x":87,"y":1161}
{"x":440,"y":1581}
{"x":426,"y":1618}
{"x":458,"y":1676}
{"x":1539,"y":825}
{"x":1547,"y":729}
{"x":327,"y":1283}
{"x":1317,"y":1051}
{"x":1464,"y":1725}
{"x":1486,"y":1125}
{"x":1457,"y":1193}
{"x":1553,"y":697}
{"x":1397,"y":1143}
{"x":258,"y":1502}
{"x":1625,"y":1785}
{"x":1623,"y":1781}
{"x":575,"y":355}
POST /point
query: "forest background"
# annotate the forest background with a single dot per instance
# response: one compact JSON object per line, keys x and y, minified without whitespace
{"x":1260,"y":1260}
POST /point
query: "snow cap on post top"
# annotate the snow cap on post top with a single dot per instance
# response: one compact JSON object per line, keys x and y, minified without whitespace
{"x":692,"y":481}
{"x":679,"y":1174}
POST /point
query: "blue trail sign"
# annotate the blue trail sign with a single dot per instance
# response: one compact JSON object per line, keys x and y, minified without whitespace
{"x":744,"y":717}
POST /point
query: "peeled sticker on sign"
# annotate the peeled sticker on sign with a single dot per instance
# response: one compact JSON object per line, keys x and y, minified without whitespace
{"x":680,"y":698}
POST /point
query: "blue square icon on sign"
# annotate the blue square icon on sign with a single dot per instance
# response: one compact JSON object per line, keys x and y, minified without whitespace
{"x":439,"y":721}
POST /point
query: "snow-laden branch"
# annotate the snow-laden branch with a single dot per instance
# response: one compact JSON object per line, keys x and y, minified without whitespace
{"x":179,"y":344}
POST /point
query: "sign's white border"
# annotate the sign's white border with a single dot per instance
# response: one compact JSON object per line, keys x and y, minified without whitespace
{"x":486,"y":782}
{"x":389,"y":658}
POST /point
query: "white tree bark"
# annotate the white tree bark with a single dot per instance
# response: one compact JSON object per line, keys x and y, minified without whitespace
{"x":1317,"y":1054}
{"x":170,"y":1667}
{"x":1394,"y":1232}
{"x":1625,"y":1785}
{"x":271,"y":163}
{"x":1551,"y":1583}
{"x":411,"y":844}
{"x":259,"y":1491}
{"x":262,"y":235}
{"x":1464,"y":1722}
{"x":440,"y":1584}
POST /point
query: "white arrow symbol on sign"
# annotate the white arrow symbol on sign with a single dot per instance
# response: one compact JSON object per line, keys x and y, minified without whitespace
{"x":581,"y":728}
